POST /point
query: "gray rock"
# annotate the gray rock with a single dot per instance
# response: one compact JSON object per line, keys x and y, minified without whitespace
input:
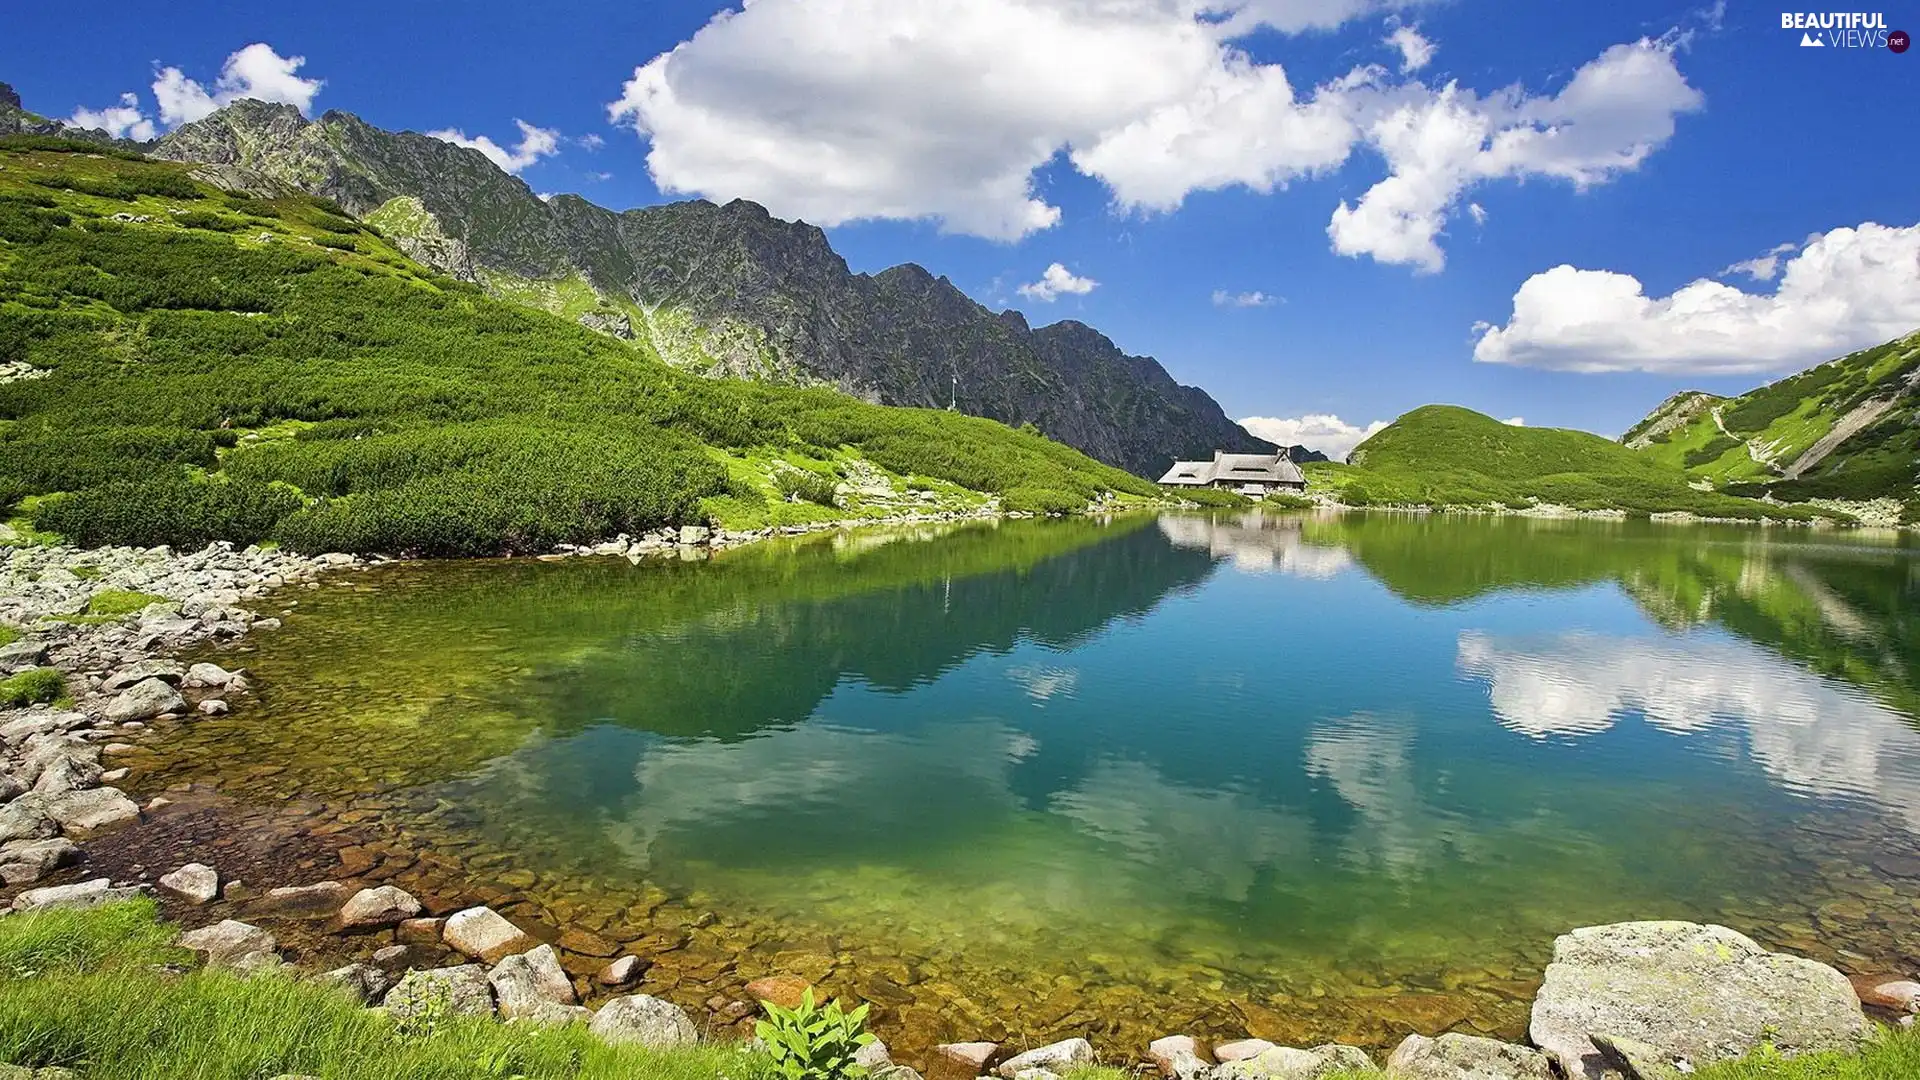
{"x":20,"y":655}
{"x":231,"y":944}
{"x":391,"y":957}
{"x":26,"y":818}
{"x":73,"y":770}
{"x":1241,"y":1049}
{"x":23,"y":861}
{"x":93,"y":810}
{"x":694,"y":534}
{"x":377,"y":908}
{"x":552,"y":1014}
{"x":208,"y":675}
{"x":1466,"y":1057}
{"x":144,"y":701}
{"x":212,"y":707}
{"x":484,"y":933}
{"x":1054,"y":1057}
{"x":167,"y":671}
{"x":317,"y":901}
{"x":364,"y":982}
{"x":1693,"y":993}
{"x":1289,"y":1063}
{"x":1636,"y":1060}
{"x":461,"y":991}
{"x":196,"y":883}
{"x":1177,"y":1056}
{"x":85,"y":894}
{"x":526,"y":981}
{"x":622,"y":972}
{"x":643,"y":1020}
{"x":873,"y":1056}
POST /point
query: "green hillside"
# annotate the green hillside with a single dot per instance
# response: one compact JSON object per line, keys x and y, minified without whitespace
{"x":1443,"y":455}
{"x":1846,"y":429}
{"x":179,"y":365}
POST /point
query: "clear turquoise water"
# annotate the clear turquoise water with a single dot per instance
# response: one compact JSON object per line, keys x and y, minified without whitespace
{"x":1317,"y":777}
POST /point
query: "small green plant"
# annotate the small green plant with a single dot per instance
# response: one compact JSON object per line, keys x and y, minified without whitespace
{"x":809,"y":1043}
{"x":31,"y":687}
{"x":113,"y":603}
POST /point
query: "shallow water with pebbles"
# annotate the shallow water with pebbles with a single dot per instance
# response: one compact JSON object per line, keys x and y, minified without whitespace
{"x":1307,"y":778}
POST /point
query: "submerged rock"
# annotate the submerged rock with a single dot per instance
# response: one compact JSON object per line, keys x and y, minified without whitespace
{"x":1466,"y":1057}
{"x":786,"y":991}
{"x":1694,"y":994}
{"x":644,"y":1020}
{"x":316,"y":901}
{"x":461,"y":991}
{"x":1054,"y":1057}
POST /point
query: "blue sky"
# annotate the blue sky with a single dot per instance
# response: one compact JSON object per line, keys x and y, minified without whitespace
{"x":1145,"y":147}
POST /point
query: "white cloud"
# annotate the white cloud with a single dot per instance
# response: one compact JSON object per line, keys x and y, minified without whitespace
{"x":122,"y":121}
{"x":837,"y":110}
{"x":253,"y":72}
{"x":1324,"y":432}
{"x":535,"y":143}
{"x":1844,"y":290}
{"x":1253,"y":298}
{"x":1515,"y":421}
{"x":1415,"y":50}
{"x":591,"y":141}
{"x":1057,"y":281}
{"x":1477,"y":212}
{"x":1761,"y":267}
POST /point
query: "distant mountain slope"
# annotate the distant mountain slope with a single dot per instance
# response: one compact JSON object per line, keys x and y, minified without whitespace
{"x":725,"y":290}
{"x":1443,"y":455}
{"x":1847,"y":429}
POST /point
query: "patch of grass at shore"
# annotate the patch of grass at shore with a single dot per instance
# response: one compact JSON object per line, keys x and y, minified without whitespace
{"x":1891,"y":1056}
{"x":114,"y":603}
{"x":32,"y":687}
{"x":8,"y":635}
{"x":82,"y":990}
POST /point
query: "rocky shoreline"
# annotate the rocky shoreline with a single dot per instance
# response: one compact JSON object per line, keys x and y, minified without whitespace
{"x":1636,"y":1000}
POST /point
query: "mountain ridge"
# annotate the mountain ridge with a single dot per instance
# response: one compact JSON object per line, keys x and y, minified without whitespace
{"x":723,"y":289}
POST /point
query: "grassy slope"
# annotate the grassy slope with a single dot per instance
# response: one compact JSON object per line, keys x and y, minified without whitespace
{"x":1442,"y":455}
{"x":252,"y":369}
{"x":1781,"y":420}
{"x":87,"y":990}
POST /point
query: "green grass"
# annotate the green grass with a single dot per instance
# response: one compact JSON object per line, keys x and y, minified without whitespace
{"x":114,"y":603}
{"x":32,"y":687}
{"x":1892,"y":1056}
{"x":424,"y":418}
{"x":1444,"y":456}
{"x":82,"y":990}
{"x":8,"y":635}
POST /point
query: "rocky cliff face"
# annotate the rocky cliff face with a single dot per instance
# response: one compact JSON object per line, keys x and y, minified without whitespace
{"x":729,"y":290}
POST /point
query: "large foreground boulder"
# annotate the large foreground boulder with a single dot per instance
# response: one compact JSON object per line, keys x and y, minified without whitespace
{"x":643,"y":1020}
{"x":457,"y":991}
{"x":1465,"y":1057}
{"x":1693,"y":994}
{"x":1290,"y":1063}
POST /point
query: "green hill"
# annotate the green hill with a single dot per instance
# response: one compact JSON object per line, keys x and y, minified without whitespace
{"x":1847,"y":429}
{"x":1443,"y":455}
{"x":179,"y":364}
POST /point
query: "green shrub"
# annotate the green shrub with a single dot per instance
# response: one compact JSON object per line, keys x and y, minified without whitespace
{"x":31,"y":687}
{"x":171,"y":509}
{"x":338,"y":243}
{"x":1213,"y":497}
{"x":202,"y":219}
{"x":1031,"y":499}
{"x":801,"y":485}
{"x":1281,"y":500}
{"x":61,"y":145}
{"x":808,"y":1043}
{"x":1711,"y":452}
{"x":125,"y":186}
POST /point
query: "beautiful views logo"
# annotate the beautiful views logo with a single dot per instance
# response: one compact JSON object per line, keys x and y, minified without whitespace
{"x":1844,"y":30}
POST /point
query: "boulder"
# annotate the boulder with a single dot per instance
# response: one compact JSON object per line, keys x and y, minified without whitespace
{"x":165,"y":671}
{"x":1695,"y":994}
{"x":969,"y":1058}
{"x":643,"y":1020}
{"x":363,"y":982}
{"x":1636,"y":1060}
{"x":1177,"y":1056}
{"x":23,"y":861}
{"x":391,"y":957}
{"x":419,"y":931}
{"x":84,"y":894}
{"x":92,"y":810}
{"x":20,"y":655}
{"x":377,"y":908}
{"x":1289,"y":1063}
{"x":1899,"y":995}
{"x":72,"y":770}
{"x":622,"y":972}
{"x":459,"y":991}
{"x":144,"y":701}
{"x":525,"y":981}
{"x":320,"y":900}
{"x":553,"y":1014}
{"x":208,"y":675}
{"x":1241,"y":1049}
{"x":484,"y":933}
{"x":211,"y":707}
{"x":873,"y":1056}
{"x":1466,"y":1057}
{"x":1053,"y":1057}
{"x":26,"y":818}
{"x":232,"y":944}
{"x":196,"y":883}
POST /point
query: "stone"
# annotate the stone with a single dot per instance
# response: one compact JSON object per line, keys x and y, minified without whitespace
{"x":1290,"y":1063}
{"x":1241,"y":1049}
{"x":377,"y":909}
{"x":20,"y":655}
{"x":419,"y":931}
{"x":84,"y":894}
{"x":196,"y":883}
{"x":93,"y":810}
{"x":211,"y":707}
{"x":144,"y":701}
{"x":208,"y":675}
{"x":484,"y":933}
{"x":366,"y":983}
{"x":622,"y":972}
{"x":587,"y":943}
{"x":460,"y":991}
{"x":967,"y":1055}
{"x":553,"y":1014}
{"x":230,"y":943}
{"x":1899,"y":995}
{"x":1466,"y":1057}
{"x":694,"y":534}
{"x":1636,"y":1060}
{"x":26,"y":818}
{"x":785,"y":991}
{"x":643,"y":1020}
{"x":1695,"y":993}
{"x":873,"y":1056}
{"x":391,"y":957}
{"x":319,"y":900}
{"x":525,"y":981}
{"x":73,"y":770}
{"x":23,"y":861}
{"x":165,"y":671}
{"x":1177,"y":1056}
{"x":1053,"y":1057}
